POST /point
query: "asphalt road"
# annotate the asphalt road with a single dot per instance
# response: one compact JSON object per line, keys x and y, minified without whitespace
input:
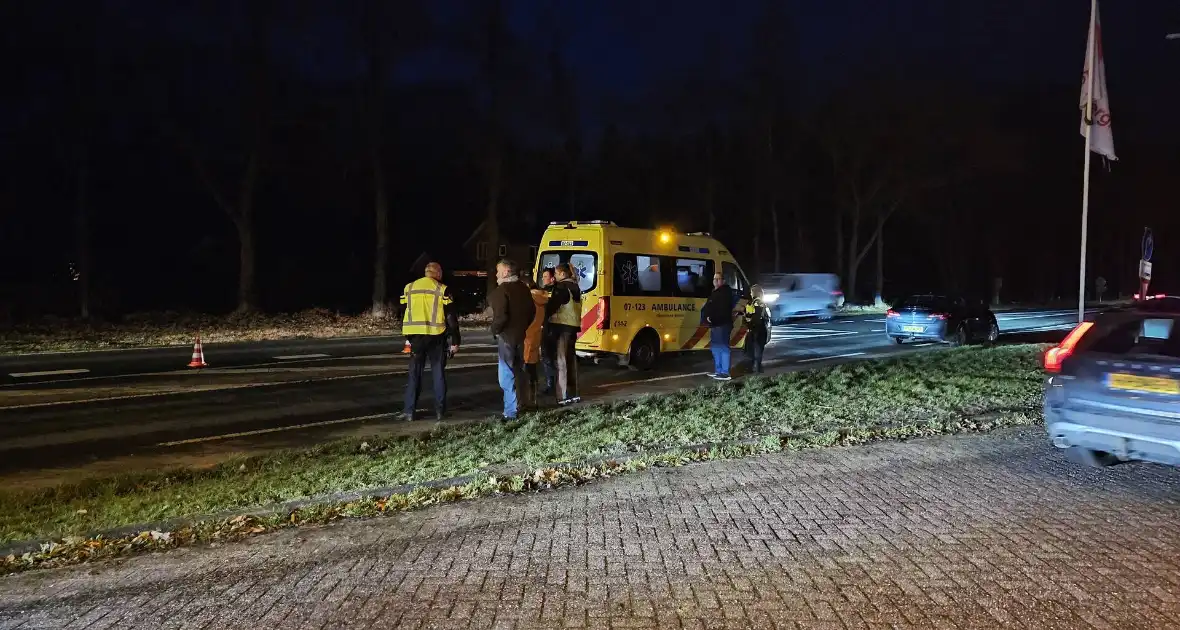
{"x":70,"y":409}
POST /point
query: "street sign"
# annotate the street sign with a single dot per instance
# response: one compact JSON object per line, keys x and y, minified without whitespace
{"x":1144,"y":270}
{"x":1148,"y":244}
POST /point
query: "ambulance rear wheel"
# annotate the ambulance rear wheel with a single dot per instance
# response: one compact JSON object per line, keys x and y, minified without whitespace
{"x":645,"y":348}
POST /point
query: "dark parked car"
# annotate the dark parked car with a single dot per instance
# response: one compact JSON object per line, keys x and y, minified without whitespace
{"x":1112,"y":393}
{"x":952,"y":320}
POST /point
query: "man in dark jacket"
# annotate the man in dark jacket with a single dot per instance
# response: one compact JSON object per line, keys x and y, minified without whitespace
{"x":512,"y":312}
{"x":718,"y":314}
{"x":563,"y":316}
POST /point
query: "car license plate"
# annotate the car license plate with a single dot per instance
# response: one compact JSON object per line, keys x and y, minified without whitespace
{"x":913,"y":328}
{"x":1145,"y":384}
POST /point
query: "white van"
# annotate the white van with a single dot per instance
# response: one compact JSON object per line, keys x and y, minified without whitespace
{"x":796,"y":295}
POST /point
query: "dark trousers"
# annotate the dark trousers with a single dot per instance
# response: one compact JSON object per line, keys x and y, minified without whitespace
{"x":432,"y":348}
{"x":566,"y":340}
{"x":529,"y":396}
{"x":756,"y":347}
{"x":548,"y":356}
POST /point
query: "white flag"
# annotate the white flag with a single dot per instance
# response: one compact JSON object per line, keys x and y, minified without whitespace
{"x":1101,"y":139}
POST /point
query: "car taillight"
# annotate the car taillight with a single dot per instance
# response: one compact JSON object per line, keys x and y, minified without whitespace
{"x":604,"y":313}
{"x":1057,"y":354}
{"x":937,"y":316}
{"x":837,"y":293}
{"x":891,"y":313}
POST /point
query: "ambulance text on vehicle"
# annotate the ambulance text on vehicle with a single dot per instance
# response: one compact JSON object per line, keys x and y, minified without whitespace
{"x":642,"y":290}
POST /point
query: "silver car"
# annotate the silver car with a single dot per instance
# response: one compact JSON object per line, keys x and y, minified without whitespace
{"x":1112,"y":393}
{"x":796,"y":295}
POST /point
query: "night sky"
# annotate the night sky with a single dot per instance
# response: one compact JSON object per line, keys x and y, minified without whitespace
{"x":155,"y":226}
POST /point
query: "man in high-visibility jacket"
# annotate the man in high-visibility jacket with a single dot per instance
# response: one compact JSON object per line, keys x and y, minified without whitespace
{"x":431,"y":326}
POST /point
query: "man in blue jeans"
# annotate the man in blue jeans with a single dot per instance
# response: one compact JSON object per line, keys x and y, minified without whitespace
{"x":718,"y":314}
{"x":512,"y":312}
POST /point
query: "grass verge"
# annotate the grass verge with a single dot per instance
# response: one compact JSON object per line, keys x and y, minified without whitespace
{"x":919,"y":395}
{"x":169,"y":329}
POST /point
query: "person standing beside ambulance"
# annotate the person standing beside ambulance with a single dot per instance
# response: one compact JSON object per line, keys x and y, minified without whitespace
{"x":718,"y":316}
{"x":533,"y":342}
{"x":563,"y":311}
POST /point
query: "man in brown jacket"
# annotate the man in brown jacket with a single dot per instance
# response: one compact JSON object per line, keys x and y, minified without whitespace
{"x":512,"y":313}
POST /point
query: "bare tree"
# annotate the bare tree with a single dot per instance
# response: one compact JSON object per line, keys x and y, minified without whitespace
{"x":491,"y":40}
{"x":249,"y":44}
{"x":769,"y":68}
{"x":894,"y":152}
{"x":863,"y":151}
{"x":565,"y":104}
{"x":387,"y":30}
{"x":75,"y":136}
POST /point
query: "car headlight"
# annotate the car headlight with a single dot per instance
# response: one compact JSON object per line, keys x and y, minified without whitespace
{"x":769,"y":298}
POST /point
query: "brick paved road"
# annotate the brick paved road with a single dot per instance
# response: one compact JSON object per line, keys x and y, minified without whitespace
{"x":969,"y":532}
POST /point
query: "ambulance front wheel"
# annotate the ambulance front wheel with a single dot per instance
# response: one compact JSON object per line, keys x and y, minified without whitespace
{"x":645,"y":348}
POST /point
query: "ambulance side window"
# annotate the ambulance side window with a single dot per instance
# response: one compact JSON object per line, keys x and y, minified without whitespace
{"x":734,"y":278}
{"x":638,"y":275}
{"x":584,"y":264}
{"x":586,"y":269}
{"x":694,"y":278}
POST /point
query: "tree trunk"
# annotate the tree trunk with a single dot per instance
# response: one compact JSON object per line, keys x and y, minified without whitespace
{"x":853,"y":260}
{"x":381,"y":254}
{"x":244,"y":221}
{"x":840,"y":271}
{"x":377,"y":57}
{"x":777,"y":246}
{"x":82,"y":239}
{"x":803,"y":249}
{"x":879,"y":290}
{"x":757,"y":229}
{"x":710,"y":185}
{"x":491,"y":231}
{"x":710,"y":202}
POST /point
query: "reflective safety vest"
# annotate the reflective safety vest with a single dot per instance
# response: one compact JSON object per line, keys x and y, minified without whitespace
{"x":425,"y":300}
{"x":570,"y":313}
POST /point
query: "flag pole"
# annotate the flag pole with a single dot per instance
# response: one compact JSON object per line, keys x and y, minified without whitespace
{"x":1091,"y":55}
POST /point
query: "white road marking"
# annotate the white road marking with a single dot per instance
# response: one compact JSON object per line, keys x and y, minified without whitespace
{"x":397,"y":355}
{"x":815,"y":335}
{"x":876,"y":320}
{"x":296,"y":357}
{"x":1044,"y":328}
{"x":653,"y":379}
{"x":834,"y":356}
{"x":1041,"y":315}
{"x":803,"y":329}
{"x":230,"y":386}
{"x":306,"y":425}
{"x":47,"y":373}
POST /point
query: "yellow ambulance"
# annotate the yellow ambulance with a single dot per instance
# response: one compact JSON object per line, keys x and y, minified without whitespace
{"x":642,"y":290}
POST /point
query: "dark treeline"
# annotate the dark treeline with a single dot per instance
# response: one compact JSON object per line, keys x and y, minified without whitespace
{"x":280,"y":155}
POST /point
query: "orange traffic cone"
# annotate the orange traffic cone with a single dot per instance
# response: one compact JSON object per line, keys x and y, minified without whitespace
{"x":198,"y":355}
{"x":406,"y":350}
